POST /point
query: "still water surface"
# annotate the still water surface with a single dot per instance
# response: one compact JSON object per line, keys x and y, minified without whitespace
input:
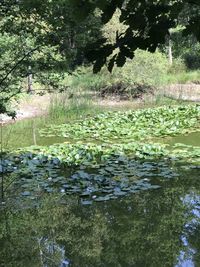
{"x":26,"y":133}
{"x":153,"y":228}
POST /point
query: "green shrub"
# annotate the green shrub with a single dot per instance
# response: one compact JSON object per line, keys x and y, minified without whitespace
{"x":50,"y":81}
{"x":178,"y":66}
{"x":192,"y":58}
{"x":192,"y":61}
{"x":145,"y":69}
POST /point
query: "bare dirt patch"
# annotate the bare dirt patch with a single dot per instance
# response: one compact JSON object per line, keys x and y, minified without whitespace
{"x":29,"y":107}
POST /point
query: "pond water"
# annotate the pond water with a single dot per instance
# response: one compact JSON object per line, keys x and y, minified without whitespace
{"x":191,"y":139}
{"x":150,"y":228}
{"x":26,"y":133}
{"x":153,"y":228}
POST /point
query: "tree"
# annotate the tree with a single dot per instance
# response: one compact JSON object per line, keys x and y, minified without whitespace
{"x":50,"y":30}
{"x":53,"y":23}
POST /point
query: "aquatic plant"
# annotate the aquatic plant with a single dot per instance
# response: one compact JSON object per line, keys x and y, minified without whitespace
{"x":117,"y":156}
{"x":130,"y":125}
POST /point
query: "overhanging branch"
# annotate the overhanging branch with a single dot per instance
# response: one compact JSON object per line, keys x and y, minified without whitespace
{"x":17,"y":64}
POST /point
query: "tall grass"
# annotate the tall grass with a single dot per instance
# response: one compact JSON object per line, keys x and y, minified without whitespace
{"x":183,"y":77}
{"x":73,"y":105}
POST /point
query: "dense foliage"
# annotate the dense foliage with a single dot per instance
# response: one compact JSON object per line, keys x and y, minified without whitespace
{"x":49,"y":44}
{"x":148,"y":23}
{"x":54,"y":37}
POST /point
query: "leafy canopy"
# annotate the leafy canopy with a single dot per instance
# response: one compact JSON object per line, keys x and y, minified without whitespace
{"x":148,"y":23}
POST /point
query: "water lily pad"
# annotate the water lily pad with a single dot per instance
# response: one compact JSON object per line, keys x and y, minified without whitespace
{"x":26,"y":193}
{"x":100,"y":199}
{"x":86,"y":202}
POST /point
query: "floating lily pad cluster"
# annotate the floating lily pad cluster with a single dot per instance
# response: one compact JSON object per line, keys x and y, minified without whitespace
{"x":130,"y":125}
{"x":118,"y":176}
{"x":91,"y":154}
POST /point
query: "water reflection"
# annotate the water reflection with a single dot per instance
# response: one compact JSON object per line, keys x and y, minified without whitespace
{"x":153,"y":228}
{"x":26,"y":133}
{"x":188,"y":257}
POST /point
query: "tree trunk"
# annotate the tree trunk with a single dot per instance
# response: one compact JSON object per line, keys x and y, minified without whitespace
{"x":170,"y":51}
{"x":30,"y":81}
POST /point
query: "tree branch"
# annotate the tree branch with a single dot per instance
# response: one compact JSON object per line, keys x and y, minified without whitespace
{"x":16,"y":65}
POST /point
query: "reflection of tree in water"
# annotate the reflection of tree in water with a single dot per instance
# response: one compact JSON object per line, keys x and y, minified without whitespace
{"x":143,"y":230}
{"x":153,"y":223}
{"x":37,"y":237}
{"x":194,"y":241}
{"x":191,"y":233}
